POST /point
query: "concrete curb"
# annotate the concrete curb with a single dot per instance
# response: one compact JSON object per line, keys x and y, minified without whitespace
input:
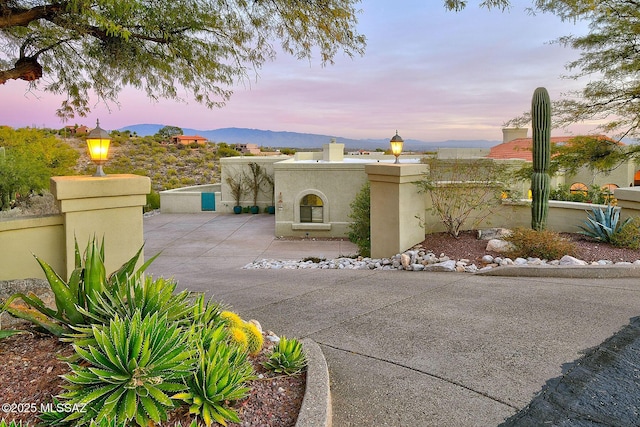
{"x":573,"y":271}
{"x":316,"y":404}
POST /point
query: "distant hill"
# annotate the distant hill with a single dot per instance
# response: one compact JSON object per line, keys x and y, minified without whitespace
{"x":274,"y":139}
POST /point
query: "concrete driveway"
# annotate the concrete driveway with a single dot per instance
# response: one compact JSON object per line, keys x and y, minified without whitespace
{"x":403,"y":348}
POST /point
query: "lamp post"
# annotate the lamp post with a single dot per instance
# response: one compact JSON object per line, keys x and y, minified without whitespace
{"x":98,"y":141}
{"x":396,"y":146}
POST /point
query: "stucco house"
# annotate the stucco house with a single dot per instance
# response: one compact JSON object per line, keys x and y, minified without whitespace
{"x":313,"y":191}
{"x":516,"y":145}
{"x":188,"y":139}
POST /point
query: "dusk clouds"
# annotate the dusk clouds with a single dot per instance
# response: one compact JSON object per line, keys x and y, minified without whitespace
{"x":430,"y":73}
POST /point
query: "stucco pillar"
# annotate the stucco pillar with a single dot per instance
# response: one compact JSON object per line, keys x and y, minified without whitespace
{"x":396,"y":207}
{"x":109,"y":207}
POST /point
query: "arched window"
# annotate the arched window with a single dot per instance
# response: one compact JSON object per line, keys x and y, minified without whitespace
{"x":579,"y":188}
{"x":311,"y":208}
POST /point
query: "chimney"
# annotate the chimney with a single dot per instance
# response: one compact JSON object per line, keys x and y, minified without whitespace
{"x":509,"y":134}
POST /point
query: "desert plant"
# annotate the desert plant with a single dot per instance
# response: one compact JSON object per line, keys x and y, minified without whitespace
{"x":146,"y":295}
{"x":127,"y":374}
{"x":287,"y":357}
{"x":6,"y":333}
{"x":545,"y":244}
{"x":602,"y":225}
{"x":255,"y":179}
{"x":360,"y":227}
{"x":85,"y":284}
{"x":237,"y":187}
{"x":541,"y":128}
{"x":463,"y":191}
{"x":220,"y":376}
{"x":254,"y":337}
{"x":628,"y":235}
{"x":12,"y":423}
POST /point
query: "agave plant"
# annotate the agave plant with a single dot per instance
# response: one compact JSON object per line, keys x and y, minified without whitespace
{"x":6,"y":333}
{"x":11,"y":423}
{"x":76,"y":296}
{"x":147,"y":294}
{"x":130,"y":372}
{"x":220,"y":377}
{"x":287,"y":357}
{"x":602,"y":225}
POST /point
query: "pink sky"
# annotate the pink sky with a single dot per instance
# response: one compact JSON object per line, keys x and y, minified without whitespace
{"x":433,"y":75}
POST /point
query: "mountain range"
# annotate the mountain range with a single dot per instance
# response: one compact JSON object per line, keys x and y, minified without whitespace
{"x":274,"y":139}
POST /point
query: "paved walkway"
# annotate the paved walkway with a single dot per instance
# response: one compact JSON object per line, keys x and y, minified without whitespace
{"x":403,"y":348}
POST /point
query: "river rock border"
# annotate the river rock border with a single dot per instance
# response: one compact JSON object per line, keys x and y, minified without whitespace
{"x":419,"y":260}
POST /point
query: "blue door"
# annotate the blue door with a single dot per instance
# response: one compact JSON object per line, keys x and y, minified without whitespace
{"x":208,"y":201}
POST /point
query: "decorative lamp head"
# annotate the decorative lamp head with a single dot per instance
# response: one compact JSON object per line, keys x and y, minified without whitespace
{"x":396,"y":146}
{"x":98,"y":141}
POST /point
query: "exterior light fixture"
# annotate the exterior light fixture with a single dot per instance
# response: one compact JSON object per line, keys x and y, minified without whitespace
{"x":396,"y":146}
{"x":280,"y":203}
{"x":98,"y":141}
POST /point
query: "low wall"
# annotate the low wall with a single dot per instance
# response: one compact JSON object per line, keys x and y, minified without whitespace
{"x":401,"y":216}
{"x":108,"y":208}
{"x":189,"y":199}
{"x":21,"y":238}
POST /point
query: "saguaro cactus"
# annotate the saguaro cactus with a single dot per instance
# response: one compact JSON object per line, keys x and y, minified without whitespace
{"x":541,"y":124}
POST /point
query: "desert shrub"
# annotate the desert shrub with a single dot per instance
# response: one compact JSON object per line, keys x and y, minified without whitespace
{"x":153,"y":201}
{"x":544,"y":244}
{"x":360,"y":228}
{"x":463,"y":191}
{"x":628,"y":236}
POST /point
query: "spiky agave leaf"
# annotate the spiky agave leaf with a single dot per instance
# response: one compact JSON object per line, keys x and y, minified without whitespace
{"x":129,"y":370}
{"x":220,"y":376}
{"x":602,"y":225}
{"x":147,"y":294}
{"x":287,"y":357}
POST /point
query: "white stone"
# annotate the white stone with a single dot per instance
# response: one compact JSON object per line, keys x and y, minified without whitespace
{"x":493,"y":233}
{"x":417,"y":267}
{"x":500,"y":246}
{"x":449,"y":265}
{"x":520,"y":261}
{"x":569,"y":260}
{"x":487,"y":259}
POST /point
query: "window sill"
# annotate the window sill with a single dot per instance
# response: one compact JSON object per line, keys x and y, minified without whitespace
{"x":310,"y":226}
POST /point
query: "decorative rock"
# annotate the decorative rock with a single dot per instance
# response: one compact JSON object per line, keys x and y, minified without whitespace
{"x":500,"y":246}
{"x":405,"y":260}
{"x":493,"y":233}
{"x":449,"y":265}
{"x":487,"y":259}
{"x":520,"y":261}
{"x":417,"y":267}
{"x":471,"y":268}
{"x":569,"y":260}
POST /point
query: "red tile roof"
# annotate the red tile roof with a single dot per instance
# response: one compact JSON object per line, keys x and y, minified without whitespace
{"x":521,"y":148}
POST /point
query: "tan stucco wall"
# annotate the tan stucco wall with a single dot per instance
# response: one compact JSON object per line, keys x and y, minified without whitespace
{"x":20,"y":239}
{"x":109,"y":207}
{"x":188,"y":199}
{"x":397,"y":209}
{"x":336,"y":183}
{"x":232,"y":166}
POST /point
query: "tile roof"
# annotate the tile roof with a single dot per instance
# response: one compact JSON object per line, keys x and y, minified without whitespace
{"x":521,"y":148}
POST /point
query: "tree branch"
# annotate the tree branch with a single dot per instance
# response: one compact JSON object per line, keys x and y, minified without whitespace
{"x":25,"y":68}
{"x":21,"y":17}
